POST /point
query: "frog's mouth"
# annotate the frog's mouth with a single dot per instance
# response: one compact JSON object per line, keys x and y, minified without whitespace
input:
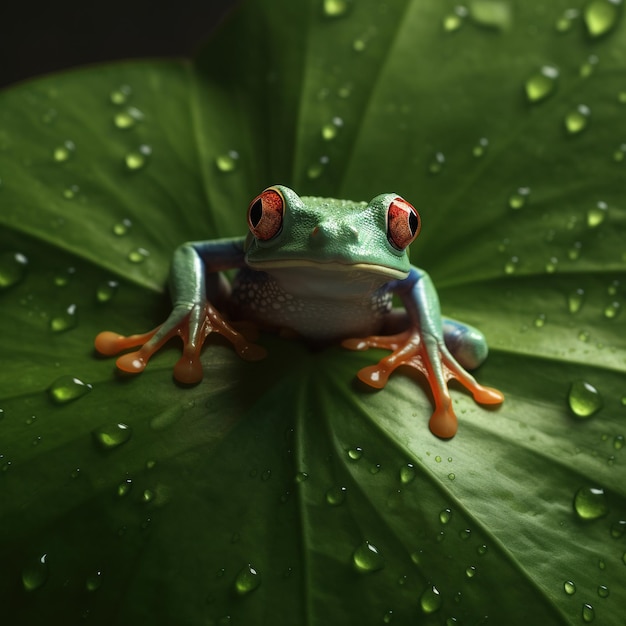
{"x":307,"y":266}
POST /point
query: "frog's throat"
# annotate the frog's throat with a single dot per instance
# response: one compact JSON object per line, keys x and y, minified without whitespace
{"x":329,"y":266}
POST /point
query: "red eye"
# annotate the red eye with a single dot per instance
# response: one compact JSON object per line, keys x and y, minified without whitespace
{"x":265,"y":214}
{"x":403,"y":223}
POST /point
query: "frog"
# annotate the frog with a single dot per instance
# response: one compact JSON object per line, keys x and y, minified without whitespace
{"x":325,"y":270}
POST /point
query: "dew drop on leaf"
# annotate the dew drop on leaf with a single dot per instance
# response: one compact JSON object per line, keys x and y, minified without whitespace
{"x":519,"y":198}
{"x":612,"y":309}
{"x":470,"y":571}
{"x":588,"y":613}
{"x":63,"y":152}
{"x":331,"y":130}
{"x":106,"y":290}
{"x":355,"y":453}
{"x":430,"y":600}
{"x":120,"y":95}
{"x":584,"y":399}
{"x":618,"y":444}
{"x":227,"y":162}
{"x":510,"y":267}
{"x":93,"y":581}
{"x":451,"y":476}
{"x":603,"y":591}
{"x":67,"y":388}
{"x":127,"y":119}
{"x":577,"y":120}
{"x":247,"y":580}
{"x":121,"y":228}
{"x":569,"y":587}
{"x":454,"y":20}
{"x":12,"y":269}
{"x":597,"y":214}
{"x":565,"y":22}
{"x":480,"y":148}
{"x":540,"y":320}
{"x":336,"y":8}
{"x":137,"y":159}
{"x":445,"y":516}
{"x":147,"y":496}
{"x":65,"y":321}
{"x":69,"y":193}
{"x":138,"y":255}
{"x":541,"y":84}
{"x":111,"y":436}
{"x":407,"y":473}
{"x":124,"y":488}
{"x":575,"y":300}
{"x":496,"y":14}
{"x":601,"y":16}
{"x":35,"y":574}
{"x":336,"y":496}
{"x":366,"y":558}
{"x":436,"y":165}
{"x":590,"y":503}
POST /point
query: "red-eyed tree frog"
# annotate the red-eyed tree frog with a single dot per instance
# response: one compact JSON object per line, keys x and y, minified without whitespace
{"x":325,"y":270}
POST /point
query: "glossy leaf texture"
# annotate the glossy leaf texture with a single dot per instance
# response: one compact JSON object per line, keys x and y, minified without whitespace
{"x":281,"y":491}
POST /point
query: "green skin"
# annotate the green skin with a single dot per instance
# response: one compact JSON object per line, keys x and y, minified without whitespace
{"x":328,"y":273}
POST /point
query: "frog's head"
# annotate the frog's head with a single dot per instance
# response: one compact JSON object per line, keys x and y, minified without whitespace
{"x":289,"y":231}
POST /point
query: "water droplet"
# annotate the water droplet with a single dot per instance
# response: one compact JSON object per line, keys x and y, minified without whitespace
{"x":496,"y":14}
{"x":266,"y":475}
{"x":575,"y":300}
{"x":597,"y":214}
{"x":317,"y":169}
{"x":612,"y":309}
{"x":12,"y":269}
{"x":128,"y":118}
{"x":453,"y":21}
{"x":437,"y":459}
{"x":67,"y":388}
{"x":588,"y":613}
{"x":355,"y":453}
{"x":551,"y":265}
{"x":120,"y":95}
{"x":482,"y":550}
{"x":247,"y":580}
{"x":587,"y":68}
{"x":138,"y":255}
{"x":407,"y":473}
{"x":618,"y":444}
{"x":573,"y":254}
{"x":336,"y":496}
{"x":227,"y":162}
{"x":388,"y":617}
{"x":601,"y":16}
{"x":583,"y":335}
{"x":374,"y":469}
{"x":345,"y":91}
{"x":445,"y":516}
{"x":69,"y":193}
{"x":540,"y":320}
{"x":366,"y":558}
{"x":124,"y":488}
{"x":112,"y":436}
{"x":584,"y":399}
{"x":566,"y":21}
{"x":603,"y":591}
{"x":331,"y":130}
{"x":66,"y":321}
{"x":590,"y":503}
{"x":336,"y":8}
{"x":35,"y":574}
{"x":451,"y":476}
{"x":430,"y":600}
{"x":465,"y":534}
{"x":470,"y":571}
{"x":147,"y":496}
{"x":121,"y":228}
{"x":93,"y":582}
{"x":569,"y":587}
{"x":481,"y":147}
{"x":510,"y":267}
{"x":436,"y":165}
{"x":577,"y":120}
{"x":542,"y":83}
{"x":301,"y":477}
{"x":137,"y":159}
{"x":519,"y":199}
{"x":106,"y":290}
{"x":63,"y":152}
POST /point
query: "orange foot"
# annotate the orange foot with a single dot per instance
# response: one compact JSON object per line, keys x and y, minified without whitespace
{"x":431,"y":358}
{"x":193,"y":326}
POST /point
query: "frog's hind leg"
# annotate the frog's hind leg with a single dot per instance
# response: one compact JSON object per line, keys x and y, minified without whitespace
{"x":466,"y":343}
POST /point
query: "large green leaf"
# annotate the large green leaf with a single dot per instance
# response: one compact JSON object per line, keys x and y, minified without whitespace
{"x":287,"y":466}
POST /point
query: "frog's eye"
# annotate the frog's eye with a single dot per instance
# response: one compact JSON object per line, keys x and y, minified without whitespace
{"x":265,"y":214}
{"x":403,"y":223}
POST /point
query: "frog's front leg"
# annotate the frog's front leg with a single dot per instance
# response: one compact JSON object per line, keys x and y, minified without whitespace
{"x":422,"y":347}
{"x":194,"y":281}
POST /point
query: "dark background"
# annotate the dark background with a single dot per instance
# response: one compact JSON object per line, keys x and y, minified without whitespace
{"x":47,"y":36}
